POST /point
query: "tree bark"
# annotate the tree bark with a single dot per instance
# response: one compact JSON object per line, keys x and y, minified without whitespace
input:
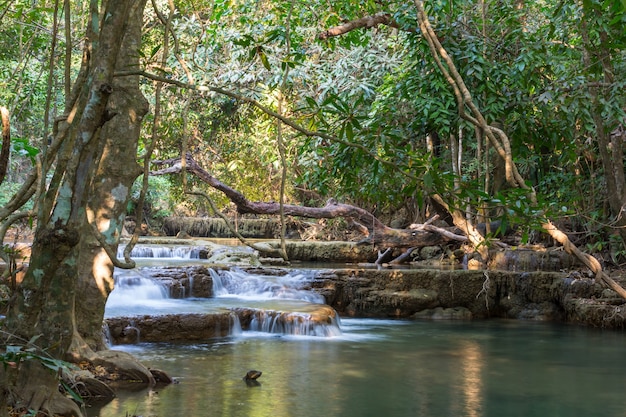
{"x":115,"y":174}
{"x":43,"y":311}
{"x":364,"y":22}
{"x":6,"y":143}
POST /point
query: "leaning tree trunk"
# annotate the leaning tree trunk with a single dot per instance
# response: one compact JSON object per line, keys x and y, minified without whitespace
{"x":43,"y":311}
{"x":106,"y":210}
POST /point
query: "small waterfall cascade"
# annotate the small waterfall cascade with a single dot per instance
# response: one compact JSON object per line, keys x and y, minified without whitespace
{"x":161,"y":252}
{"x":294,"y":310}
{"x":235,"y":325}
{"x":297,"y":324}
{"x":243,"y":304}
{"x":291,"y":286}
{"x":135,"y":293}
{"x":131,"y":286}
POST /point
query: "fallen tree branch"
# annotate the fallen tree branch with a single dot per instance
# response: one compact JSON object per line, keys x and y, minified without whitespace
{"x":364,"y":22}
{"x":379,"y":234}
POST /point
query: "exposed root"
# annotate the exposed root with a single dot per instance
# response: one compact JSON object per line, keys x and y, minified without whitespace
{"x":485,"y":289}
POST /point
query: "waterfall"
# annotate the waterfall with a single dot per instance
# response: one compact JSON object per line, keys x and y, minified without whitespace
{"x":295,"y":324}
{"x":235,"y":325}
{"x":131,"y":286}
{"x":161,"y":252}
{"x":291,"y":286}
{"x":135,"y":293}
{"x":293,"y":309}
{"x":269,"y":302}
{"x":218,"y":285}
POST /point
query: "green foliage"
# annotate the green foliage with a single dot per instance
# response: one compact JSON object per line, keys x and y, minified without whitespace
{"x":13,"y":355}
{"x":159,"y":200}
{"x":8,"y":190}
{"x":377,"y":90}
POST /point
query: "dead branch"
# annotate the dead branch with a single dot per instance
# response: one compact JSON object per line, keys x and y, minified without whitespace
{"x":379,"y":234}
{"x":364,"y":22}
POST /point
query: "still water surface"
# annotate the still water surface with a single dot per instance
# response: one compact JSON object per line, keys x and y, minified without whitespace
{"x":391,"y":368}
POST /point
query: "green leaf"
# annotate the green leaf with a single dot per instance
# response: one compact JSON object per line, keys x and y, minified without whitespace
{"x":155,"y":50}
{"x":428,"y":180}
{"x":349,"y":131}
{"x":264,"y":60}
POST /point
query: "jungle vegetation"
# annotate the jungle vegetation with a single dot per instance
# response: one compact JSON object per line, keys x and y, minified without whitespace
{"x":485,"y":110}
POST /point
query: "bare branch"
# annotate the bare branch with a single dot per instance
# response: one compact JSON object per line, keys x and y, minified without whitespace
{"x":379,"y":234}
{"x":367,"y":22}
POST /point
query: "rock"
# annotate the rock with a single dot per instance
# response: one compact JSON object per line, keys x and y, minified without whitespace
{"x":171,"y":327}
{"x":161,"y":377}
{"x":430,"y":252}
{"x":122,"y":366}
{"x":440,"y":313}
{"x":183,"y":235}
{"x":252,"y":374}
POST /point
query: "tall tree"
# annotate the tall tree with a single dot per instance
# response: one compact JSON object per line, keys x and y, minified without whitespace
{"x":85,"y":202}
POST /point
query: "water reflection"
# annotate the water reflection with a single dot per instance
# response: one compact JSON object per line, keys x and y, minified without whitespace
{"x":392,"y":368}
{"x":471,"y":372}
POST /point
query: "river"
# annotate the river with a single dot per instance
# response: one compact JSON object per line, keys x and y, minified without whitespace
{"x":386,"y":368}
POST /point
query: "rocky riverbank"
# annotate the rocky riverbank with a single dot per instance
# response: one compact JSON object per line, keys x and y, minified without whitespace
{"x":420,"y":294}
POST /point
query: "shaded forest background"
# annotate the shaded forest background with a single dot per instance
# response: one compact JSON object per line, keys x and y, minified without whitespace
{"x":377,"y":125}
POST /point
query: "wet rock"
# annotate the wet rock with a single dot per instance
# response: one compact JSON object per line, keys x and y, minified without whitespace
{"x":252,"y":375}
{"x":545,"y":311}
{"x":440,"y":313}
{"x":233,"y":255}
{"x":402,"y":293}
{"x":531,"y":259}
{"x":604,"y":313}
{"x":216,"y":227}
{"x":192,"y":281}
{"x":161,"y":376}
{"x":171,"y":327}
{"x":430,"y":252}
{"x":329,"y":252}
{"x":122,"y":366}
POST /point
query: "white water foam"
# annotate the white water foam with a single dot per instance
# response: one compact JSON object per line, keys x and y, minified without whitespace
{"x":240,"y":284}
{"x":283,"y":304}
{"x":160,"y":252}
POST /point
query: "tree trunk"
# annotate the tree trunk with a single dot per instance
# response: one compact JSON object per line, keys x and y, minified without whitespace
{"x":43,"y":311}
{"x":611,"y":141}
{"x":115,"y":175}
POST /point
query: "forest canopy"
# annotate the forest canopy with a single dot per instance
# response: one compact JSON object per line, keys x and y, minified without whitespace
{"x":385,"y":123}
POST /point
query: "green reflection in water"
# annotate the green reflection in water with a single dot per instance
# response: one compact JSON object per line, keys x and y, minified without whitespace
{"x":393,"y":368}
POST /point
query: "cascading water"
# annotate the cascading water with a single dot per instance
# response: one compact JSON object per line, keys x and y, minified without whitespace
{"x":241,"y":284}
{"x":259,"y":303}
{"x":160,"y":251}
{"x":134,"y":293}
{"x":290,"y":308}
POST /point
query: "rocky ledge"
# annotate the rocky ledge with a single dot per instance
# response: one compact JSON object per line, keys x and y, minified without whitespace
{"x":402,"y":293}
{"x":314,"y":320}
{"x":464,"y":294}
